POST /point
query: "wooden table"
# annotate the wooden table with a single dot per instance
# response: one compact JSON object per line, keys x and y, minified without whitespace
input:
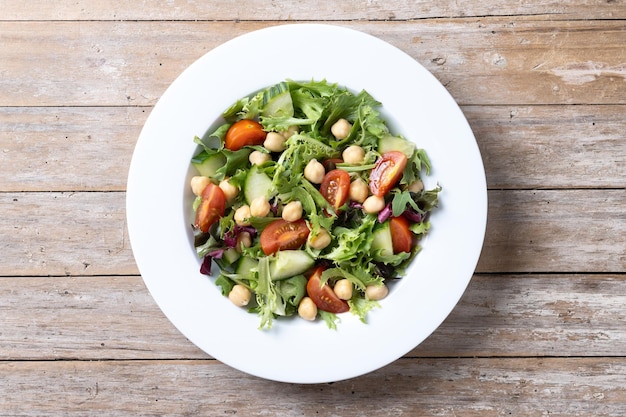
{"x":541,"y":328}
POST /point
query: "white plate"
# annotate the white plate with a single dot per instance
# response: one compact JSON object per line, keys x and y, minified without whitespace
{"x":416,"y":106}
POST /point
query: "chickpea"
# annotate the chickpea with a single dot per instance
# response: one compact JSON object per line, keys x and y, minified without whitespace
{"x":314,"y":171}
{"x":258,"y":157}
{"x":292,"y":211}
{"x":353,"y":154}
{"x":341,"y":129}
{"x":292,"y":130}
{"x":244,"y":240}
{"x":199,"y":183}
{"x":230,"y":191}
{"x":242,"y":215}
{"x":416,"y":186}
{"x":259,"y":207}
{"x":320,"y":240}
{"x":376,"y":292}
{"x":343,"y":289}
{"x":373,"y":204}
{"x":275,"y":142}
{"x":359,"y":190}
{"x":240,"y":295}
{"x":307,"y":309}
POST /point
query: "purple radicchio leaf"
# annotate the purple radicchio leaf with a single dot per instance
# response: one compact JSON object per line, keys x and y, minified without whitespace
{"x":385,"y":213}
{"x":230,"y":237}
{"x":354,"y":204}
{"x":205,"y":268}
{"x":217,"y":253}
{"x":248,"y":229}
{"x":412,"y":216}
{"x":274,"y":207}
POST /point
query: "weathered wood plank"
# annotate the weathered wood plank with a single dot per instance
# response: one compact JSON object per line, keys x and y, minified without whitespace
{"x":80,"y":334}
{"x":115,"y":318}
{"x":555,"y":231}
{"x":67,"y":148}
{"x":522,"y":147}
{"x":519,"y":62}
{"x":64,"y":234}
{"x":534,"y":315}
{"x":551,"y":146}
{"x":527,"y":231}
{"x":55,"y":318}
{"x":303,"y":10}
{"x":425,"y":387}
{"x":480,"y":61}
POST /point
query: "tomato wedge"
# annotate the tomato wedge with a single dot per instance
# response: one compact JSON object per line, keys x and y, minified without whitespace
{"x":211,"y":207}
{"x":401,"y":236}
{"x":283,"y":235}
{"x":244,"y":132}
{"x":387,"y":172}
{"x":335,"y":187}
{"x":323,"y":296}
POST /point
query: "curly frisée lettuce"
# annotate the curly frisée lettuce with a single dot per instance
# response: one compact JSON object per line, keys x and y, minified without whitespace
{"x":307,"y":202}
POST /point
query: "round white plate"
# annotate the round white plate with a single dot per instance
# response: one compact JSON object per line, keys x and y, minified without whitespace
{"x":415,"y":104}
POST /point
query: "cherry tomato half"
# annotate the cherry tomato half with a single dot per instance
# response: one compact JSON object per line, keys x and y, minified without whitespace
{"x":211,"y":207}
{"x":323,"y":296}
{"x":283,"y":235}
{"x":244,"y":132}
{"x":335,"y":187}
{"x":401,"y":236}
{"x":387,"y":172}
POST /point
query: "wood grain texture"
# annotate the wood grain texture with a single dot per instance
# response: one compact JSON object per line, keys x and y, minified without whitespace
{"x":326,"y":10}
{"x":90,"y":318}
{"x":67,"y":148}
{"x":522,"y":146}
{"x":540,"y":329}
{"x":555,"y":231}
{"x":525,"y":61}
{"x":64,"y":234}
{"x":551,"y":146}
{"x":430,"y":387}
{"x":534,"y":315}
{"x":115,"y":318}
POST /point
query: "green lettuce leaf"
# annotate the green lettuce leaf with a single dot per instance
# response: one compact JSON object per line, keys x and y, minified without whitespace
{"x":266,"y":297}
{"x":331,"y":319}
{"x":360,"y":306}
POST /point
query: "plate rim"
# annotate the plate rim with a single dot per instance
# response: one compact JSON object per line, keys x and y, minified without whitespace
{"x":137,"y":220}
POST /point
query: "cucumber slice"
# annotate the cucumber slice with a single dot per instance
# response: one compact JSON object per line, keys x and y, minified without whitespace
{"x":394,"y":143}
{"x":382,"y":246}
{"x":231,"y":255}
{"x":289,"y":263}
{"x":208,"y":164}
{"x":257,"y":184}
{"x":277,"y":101}
{"x":246,"y":266}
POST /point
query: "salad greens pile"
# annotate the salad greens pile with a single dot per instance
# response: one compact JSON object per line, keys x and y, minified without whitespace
{"x":361,"y":247}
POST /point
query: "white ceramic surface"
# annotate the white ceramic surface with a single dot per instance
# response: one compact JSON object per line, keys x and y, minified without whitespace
{"x":158,"y":203}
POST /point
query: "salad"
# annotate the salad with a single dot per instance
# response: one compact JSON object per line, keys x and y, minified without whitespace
{"x":307,"y":203}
